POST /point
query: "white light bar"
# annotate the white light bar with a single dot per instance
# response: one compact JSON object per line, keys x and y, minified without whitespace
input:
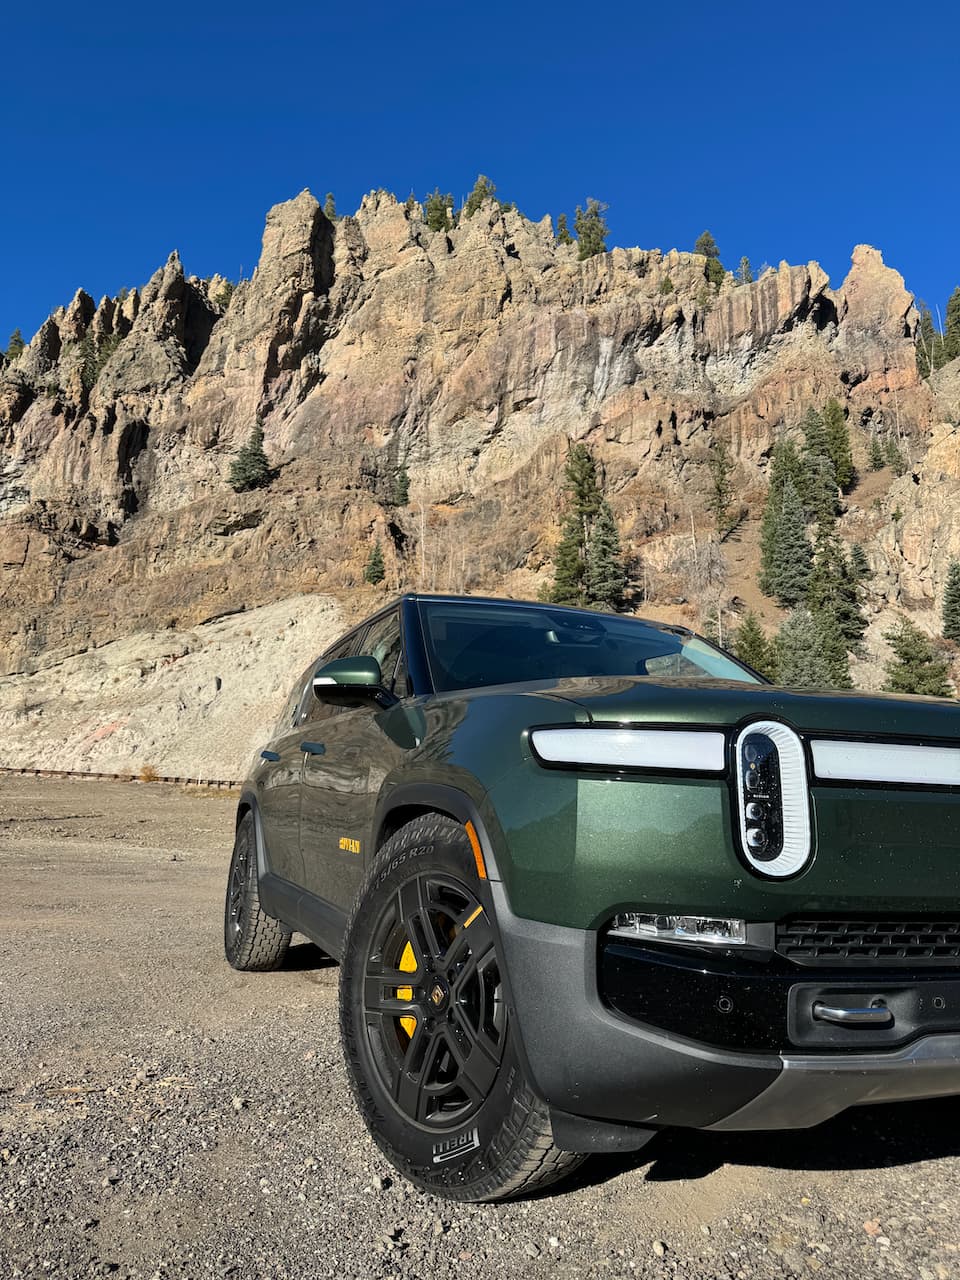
{"x":887,"y":762}
{"x":706,"y":929}
{"x":632,"y":748}
{"x":794,"y":800}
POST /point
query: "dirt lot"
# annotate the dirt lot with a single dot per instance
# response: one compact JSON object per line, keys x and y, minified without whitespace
{"x":164,"y":1117}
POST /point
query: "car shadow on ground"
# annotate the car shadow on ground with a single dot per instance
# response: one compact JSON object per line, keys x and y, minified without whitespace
{"x":304,"y":956}
{"x":862,"y":1138}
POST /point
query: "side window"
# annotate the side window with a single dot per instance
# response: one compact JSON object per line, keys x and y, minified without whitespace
{"x":383,"y":643}
{"x":312,"y":709}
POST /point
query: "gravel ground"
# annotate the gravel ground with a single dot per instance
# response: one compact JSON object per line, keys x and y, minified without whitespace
{"x":163,"y":1117}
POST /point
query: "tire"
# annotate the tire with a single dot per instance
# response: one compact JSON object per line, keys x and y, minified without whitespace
{"x":252,"y":940}
{"x":430,"y":1043}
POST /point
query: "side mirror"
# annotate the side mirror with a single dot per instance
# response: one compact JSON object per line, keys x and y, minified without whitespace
{"x":351,"y":682}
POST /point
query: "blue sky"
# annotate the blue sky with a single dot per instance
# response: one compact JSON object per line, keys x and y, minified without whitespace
{"x":790,"y":131}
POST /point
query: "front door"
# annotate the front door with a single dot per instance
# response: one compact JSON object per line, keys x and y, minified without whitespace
{"x":343,"y":755}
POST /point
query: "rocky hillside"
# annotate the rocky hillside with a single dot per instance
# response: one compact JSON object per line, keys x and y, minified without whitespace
{"x":470,"y":357}
{"x":194,"y":703}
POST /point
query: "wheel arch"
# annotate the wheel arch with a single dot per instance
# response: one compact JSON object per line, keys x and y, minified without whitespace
{"x":412,"y":800}
{"x":248,"y":804}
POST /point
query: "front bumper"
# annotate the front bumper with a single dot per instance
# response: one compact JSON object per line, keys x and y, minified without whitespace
{"x":587,"y":1060}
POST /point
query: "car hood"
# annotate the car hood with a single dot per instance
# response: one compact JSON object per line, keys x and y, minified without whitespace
{"x":647,"y":699}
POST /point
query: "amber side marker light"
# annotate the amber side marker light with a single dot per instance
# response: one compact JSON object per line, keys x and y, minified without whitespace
{"x":477,"y":851}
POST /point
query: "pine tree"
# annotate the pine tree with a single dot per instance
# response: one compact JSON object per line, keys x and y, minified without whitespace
{"x":820,"y":484}
{"x":604,"y":579}
{"x":848,"y":609}
{"x":893,"y":456}
{"x":437,"y":211}
{"x":591,"y":229}
{"x":914,"y":666}
{"x":785,"y":462}
{"x":583,"y":505}
{"x":799,"y":653}
{"x":563,"y":231}
{"x":666,"y":285}
{"x":833,"y":649}
{"x":951,"y":327}
{"x":814,"y":434}
{"x":827,"y":572}
{"x":818,"y":481}
{"x":708,"y":247}
{"x":15,"y":345}
{"x":834,"y":599}
{"x":745,"y":271}
{"x":859,"y":565}
{"x":838,"y":443}
{"x":410,"y":205}
{"x":250,"y":468}
{"x":401,"y":486}
{"x":483,"y":189}
{"x":330,"y":207}
{"x":751,"y":645}
{"x":790,"y":574}
{"x":375,"y":571}
{"x":721,"y":491}
{"x":581,"y":481}
{"x":568,"y":563}
{"x":877,"y":459}
{"x":951,"y":602}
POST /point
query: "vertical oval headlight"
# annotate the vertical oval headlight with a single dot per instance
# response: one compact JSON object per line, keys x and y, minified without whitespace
{"x":773,"y":801}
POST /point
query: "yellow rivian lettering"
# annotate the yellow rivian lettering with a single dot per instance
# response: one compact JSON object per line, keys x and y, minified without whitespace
{"x":348,"y":845}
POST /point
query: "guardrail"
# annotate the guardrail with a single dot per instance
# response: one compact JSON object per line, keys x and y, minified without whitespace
{"x":219,"y":784}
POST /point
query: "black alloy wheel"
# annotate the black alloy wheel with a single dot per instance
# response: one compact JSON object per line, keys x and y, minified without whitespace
{"x":429,"y":1037}
{"x":434,"y":1014}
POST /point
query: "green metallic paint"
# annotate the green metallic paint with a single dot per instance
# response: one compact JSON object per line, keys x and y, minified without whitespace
{"x":582,"y":848}
{"x":572,"y":848}
{"x":359,"y":673}
{"x":718,"y":702}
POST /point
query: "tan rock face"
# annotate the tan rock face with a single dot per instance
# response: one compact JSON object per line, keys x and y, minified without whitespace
{"x":470,"y":357}
{"x":195,"y":702}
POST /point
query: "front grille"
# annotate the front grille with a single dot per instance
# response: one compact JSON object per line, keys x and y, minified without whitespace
{"x":889,"y":943}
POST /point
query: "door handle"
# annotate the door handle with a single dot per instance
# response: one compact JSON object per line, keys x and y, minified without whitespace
{"x":273,"y":756}
{"x":876,"y":1015}
{"x":313,"y":748}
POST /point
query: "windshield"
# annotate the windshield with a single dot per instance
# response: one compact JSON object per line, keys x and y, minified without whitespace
{"x":470,"y":645}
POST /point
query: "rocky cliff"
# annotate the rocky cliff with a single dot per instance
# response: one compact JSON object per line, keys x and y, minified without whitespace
{"x":470,"y":357}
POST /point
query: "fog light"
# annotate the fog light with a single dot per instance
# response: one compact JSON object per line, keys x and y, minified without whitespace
{"x":703,"y":929}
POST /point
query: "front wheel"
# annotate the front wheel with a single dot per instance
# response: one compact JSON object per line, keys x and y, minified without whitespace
{"x":430,"y":1042}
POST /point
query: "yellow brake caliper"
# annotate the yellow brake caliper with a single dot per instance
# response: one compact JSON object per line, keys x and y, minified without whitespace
{"x":408,"y":964}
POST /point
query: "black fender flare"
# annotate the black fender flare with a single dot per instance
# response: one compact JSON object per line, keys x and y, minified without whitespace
{"x":248,"y":801}
{"x":444,"y":799}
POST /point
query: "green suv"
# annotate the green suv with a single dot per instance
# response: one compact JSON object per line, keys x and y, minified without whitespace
{"x":589,"y":876}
